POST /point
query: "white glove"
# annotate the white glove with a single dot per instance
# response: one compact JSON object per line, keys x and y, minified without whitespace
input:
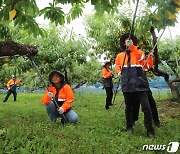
{"x":129,"y":43}
{"x":50,"y":94}
{"x":119,"y":75}
{"x":60,"y":110}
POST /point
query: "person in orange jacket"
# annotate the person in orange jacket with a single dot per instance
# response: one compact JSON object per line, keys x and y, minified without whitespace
{"x":134,"y":84}
{"x":62,"y":93}
{"x":11,"y":86}
{"x":107,"y":83}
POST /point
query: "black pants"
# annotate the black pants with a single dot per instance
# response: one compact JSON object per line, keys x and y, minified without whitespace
{"x":109,"y":96}
{"x":130,"y":98}
{"x":9,"y":93}
{"x":153,"y":107}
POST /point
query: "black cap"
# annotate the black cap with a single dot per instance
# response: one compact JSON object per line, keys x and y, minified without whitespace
{"x":124,"y":37}
{"x":58,"y":73}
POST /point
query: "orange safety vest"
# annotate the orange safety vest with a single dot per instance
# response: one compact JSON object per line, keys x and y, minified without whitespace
{"x":65,"y":95}
{"x":106,"y":73}
{"x":107,"y":78}
{"x":137,"y":59}
{"x":133,"y":76}
{"x":12,"y":82}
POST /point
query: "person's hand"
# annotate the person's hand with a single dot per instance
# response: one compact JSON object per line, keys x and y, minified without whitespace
{"x":129,"y":43}
{"x":60,"y":110}
{"x":151,"y":53}
{"x":50,"y":94}
{"x":119,"y":75}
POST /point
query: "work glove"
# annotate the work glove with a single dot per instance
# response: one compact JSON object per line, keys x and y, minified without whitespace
{"x":119,"y":75}
{"x":129,"y":43}
{"x":50,"y":94}
{"x":60,"y":110}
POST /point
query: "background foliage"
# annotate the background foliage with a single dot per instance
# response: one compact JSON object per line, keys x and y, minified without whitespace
{"x":60,"y":50}
{"x":63,"y":50}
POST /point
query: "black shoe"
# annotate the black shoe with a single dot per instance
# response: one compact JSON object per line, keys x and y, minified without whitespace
{"x":63,"y":121}
{"x":107,"y":107}
{"x":4,"y":101}
{"x":150,"y":135}
{"x":157,"y":124}
{"x":129,"y":130}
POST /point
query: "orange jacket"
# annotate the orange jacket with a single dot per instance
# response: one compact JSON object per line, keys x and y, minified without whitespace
{"x":107,"y":78}
{"x":12,"y":82}
{"x":106,"y":73}
{"x":133,"y":76}
{"x":65,"y":94}
{"x":137,"y":59}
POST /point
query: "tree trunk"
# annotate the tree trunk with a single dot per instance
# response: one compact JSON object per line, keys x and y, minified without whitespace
{"x":175,"y":88}
{"x":157,"y":72}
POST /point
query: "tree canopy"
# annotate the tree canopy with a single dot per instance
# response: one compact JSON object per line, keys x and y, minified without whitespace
{"x":66,"y":52}
{"x":24,"y":12}
{"x":152,"y":15}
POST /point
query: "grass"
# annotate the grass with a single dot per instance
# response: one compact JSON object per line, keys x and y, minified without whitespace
{"x":25,"y":127}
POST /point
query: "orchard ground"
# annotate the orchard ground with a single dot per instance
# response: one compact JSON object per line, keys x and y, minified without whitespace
{"x":26,"y":128}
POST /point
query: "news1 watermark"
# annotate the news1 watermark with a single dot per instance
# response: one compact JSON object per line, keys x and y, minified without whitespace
{"x":171,"y":147}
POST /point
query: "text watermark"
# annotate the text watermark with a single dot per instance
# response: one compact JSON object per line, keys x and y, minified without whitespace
{"x":171,"y":147}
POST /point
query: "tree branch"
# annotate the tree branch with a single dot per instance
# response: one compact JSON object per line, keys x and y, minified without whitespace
{"x":11,"y":48}
{"x":156,"y":70}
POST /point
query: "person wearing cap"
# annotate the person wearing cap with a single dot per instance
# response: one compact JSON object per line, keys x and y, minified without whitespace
{"x":129,"y":65}
{"x":11,"y":86}
{"x":62,"y":93}
{"x":108,"y":84}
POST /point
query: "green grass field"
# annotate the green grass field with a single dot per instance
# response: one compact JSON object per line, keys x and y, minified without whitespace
{"x":25,"y":128}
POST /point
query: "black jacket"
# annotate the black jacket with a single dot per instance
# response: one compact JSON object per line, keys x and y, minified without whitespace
{"x":134,"y":79}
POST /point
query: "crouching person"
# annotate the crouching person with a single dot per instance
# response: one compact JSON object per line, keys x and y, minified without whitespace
{"x":61,"y":93}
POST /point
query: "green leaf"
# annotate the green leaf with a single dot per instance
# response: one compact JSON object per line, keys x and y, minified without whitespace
{"x":68,"y":18}
{"x":93,"y":2}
